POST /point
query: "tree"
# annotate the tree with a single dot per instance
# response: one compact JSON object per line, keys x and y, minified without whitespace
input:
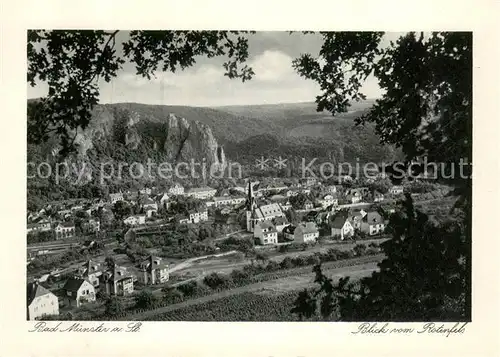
{"x":145,"y":300}
{"x":113,"y":306}
{"x":109,"y":262}
{"x":215,"y":281}
{"x":72,"y":62}
{"x":172,"y":295}
{"x":429,"y":286}
{"x":121,"y":209}
{"x":427,"y":105}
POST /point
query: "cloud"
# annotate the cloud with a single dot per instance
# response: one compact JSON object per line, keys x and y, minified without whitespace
{"x":272,"y":65}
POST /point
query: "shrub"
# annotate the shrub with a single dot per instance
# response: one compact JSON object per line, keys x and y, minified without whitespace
{"x":172,"y":295}
{"x":216,"y":281}
{"x":286,"y":263}
{"x":113,"y":306}
{"x":145,"y":300}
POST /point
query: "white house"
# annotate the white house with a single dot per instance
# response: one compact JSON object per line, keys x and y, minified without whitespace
{"x":372,"y":223}
{"x":40,"y":302}
{"x":198,"y":216}
{"x":115,"y":197}
{"x":116,"y":280}
{"x":78,"y":291}
{"x":145,"y":191}
{"x":202,"y":193}
{"x":377,"y":196}
{"x":329,"y":200}
{"x":176,"y":190}
{"x":266,"y":233}
{"x":396,"y":190}
{"x":341,"y":226}
{"x":64,"y":230}
{"x":306,"y":232}
{"x":153,"y":271}
{"x":164,"y":201}
{"x":91,"y":270}
{"x":135,"y":220}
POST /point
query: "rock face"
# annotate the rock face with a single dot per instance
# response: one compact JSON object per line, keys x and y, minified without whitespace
{"x":174,"y":138}
{"x":186,"y":141}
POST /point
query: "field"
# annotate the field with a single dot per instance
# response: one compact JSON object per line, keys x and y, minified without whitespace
{"x":243,"y":307}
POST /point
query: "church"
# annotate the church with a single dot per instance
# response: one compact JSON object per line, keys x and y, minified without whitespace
{"x":256,"y":213}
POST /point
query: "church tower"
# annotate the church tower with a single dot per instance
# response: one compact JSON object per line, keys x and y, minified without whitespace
{"x":251,"y":205}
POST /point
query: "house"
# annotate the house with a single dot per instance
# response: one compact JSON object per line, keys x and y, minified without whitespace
{"x":91,"y":270}
{"x":153,"y":271}
{"x":183,"y":220}
{"x":150,"y":212}
{"x":308,"y":205}
{"x":354,"y":198}
{"x":279,"y":223}
{"x":116,"y":281}
{"x":396,"y":190}
{"x":34,"y":227}
{"x":198,"y":216}
{"x":225,"y":201}
{"x":146,"y":202}
{"x":306,"y":232}
{"x":331,"y":189}
{"x":176,"y":190}
{"x":115,"y":197}
{"x":356,"y":218}
{"x":329,"y":200}
{"x":40,"y":302}
{"x":92,"y":226}
{"x":202,"y":193}
{"x":266,"y":233}
{"x":135,"y":220}
{"x":285,"y":206}
{"x":377,"y":196}
{"x":288,"y":232}
{"x":164,"y":201}
{"x":372,"y":223}
{"x":64,"y":230}
{"x":309,"y":181}
{"x":359,"y":191}
{"x":341,"y":226}
{"x":145,"y":191}
{"x":78,"y":291}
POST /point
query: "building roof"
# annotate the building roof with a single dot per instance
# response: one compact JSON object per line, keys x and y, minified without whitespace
{"x":90,"y":267}
{"x":34,"y":290}
{"x":306,"y":228}
{"x":266,"y":225}
{"x":339,"y":220}
{"x":201,"y":189}
{"x":373,"y":217}
{"x":278,"y":221}
{"x":289,"y":229}
{"x":268,"y":211}
{"x":73,"y":284}
{"x":67,"y":224}
{"x":116,"y":273}
{"x":152,"y":262}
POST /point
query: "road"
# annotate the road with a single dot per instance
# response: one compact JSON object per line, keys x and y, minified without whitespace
{"x":304,"y":273}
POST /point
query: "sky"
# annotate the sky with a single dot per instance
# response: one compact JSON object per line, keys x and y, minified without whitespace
{"x":204,"y":84}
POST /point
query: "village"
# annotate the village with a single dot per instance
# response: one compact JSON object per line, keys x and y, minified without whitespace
{"x":78,"y":255}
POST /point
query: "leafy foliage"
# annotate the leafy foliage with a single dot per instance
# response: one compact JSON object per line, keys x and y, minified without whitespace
{"x":430,"y":285}
{"x":72,"y":62}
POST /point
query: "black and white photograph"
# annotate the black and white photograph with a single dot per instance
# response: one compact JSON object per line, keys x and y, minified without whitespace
{"x":235,"y":176}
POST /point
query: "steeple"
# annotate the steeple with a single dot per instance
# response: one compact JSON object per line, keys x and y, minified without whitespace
{"x":250,"y":198}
